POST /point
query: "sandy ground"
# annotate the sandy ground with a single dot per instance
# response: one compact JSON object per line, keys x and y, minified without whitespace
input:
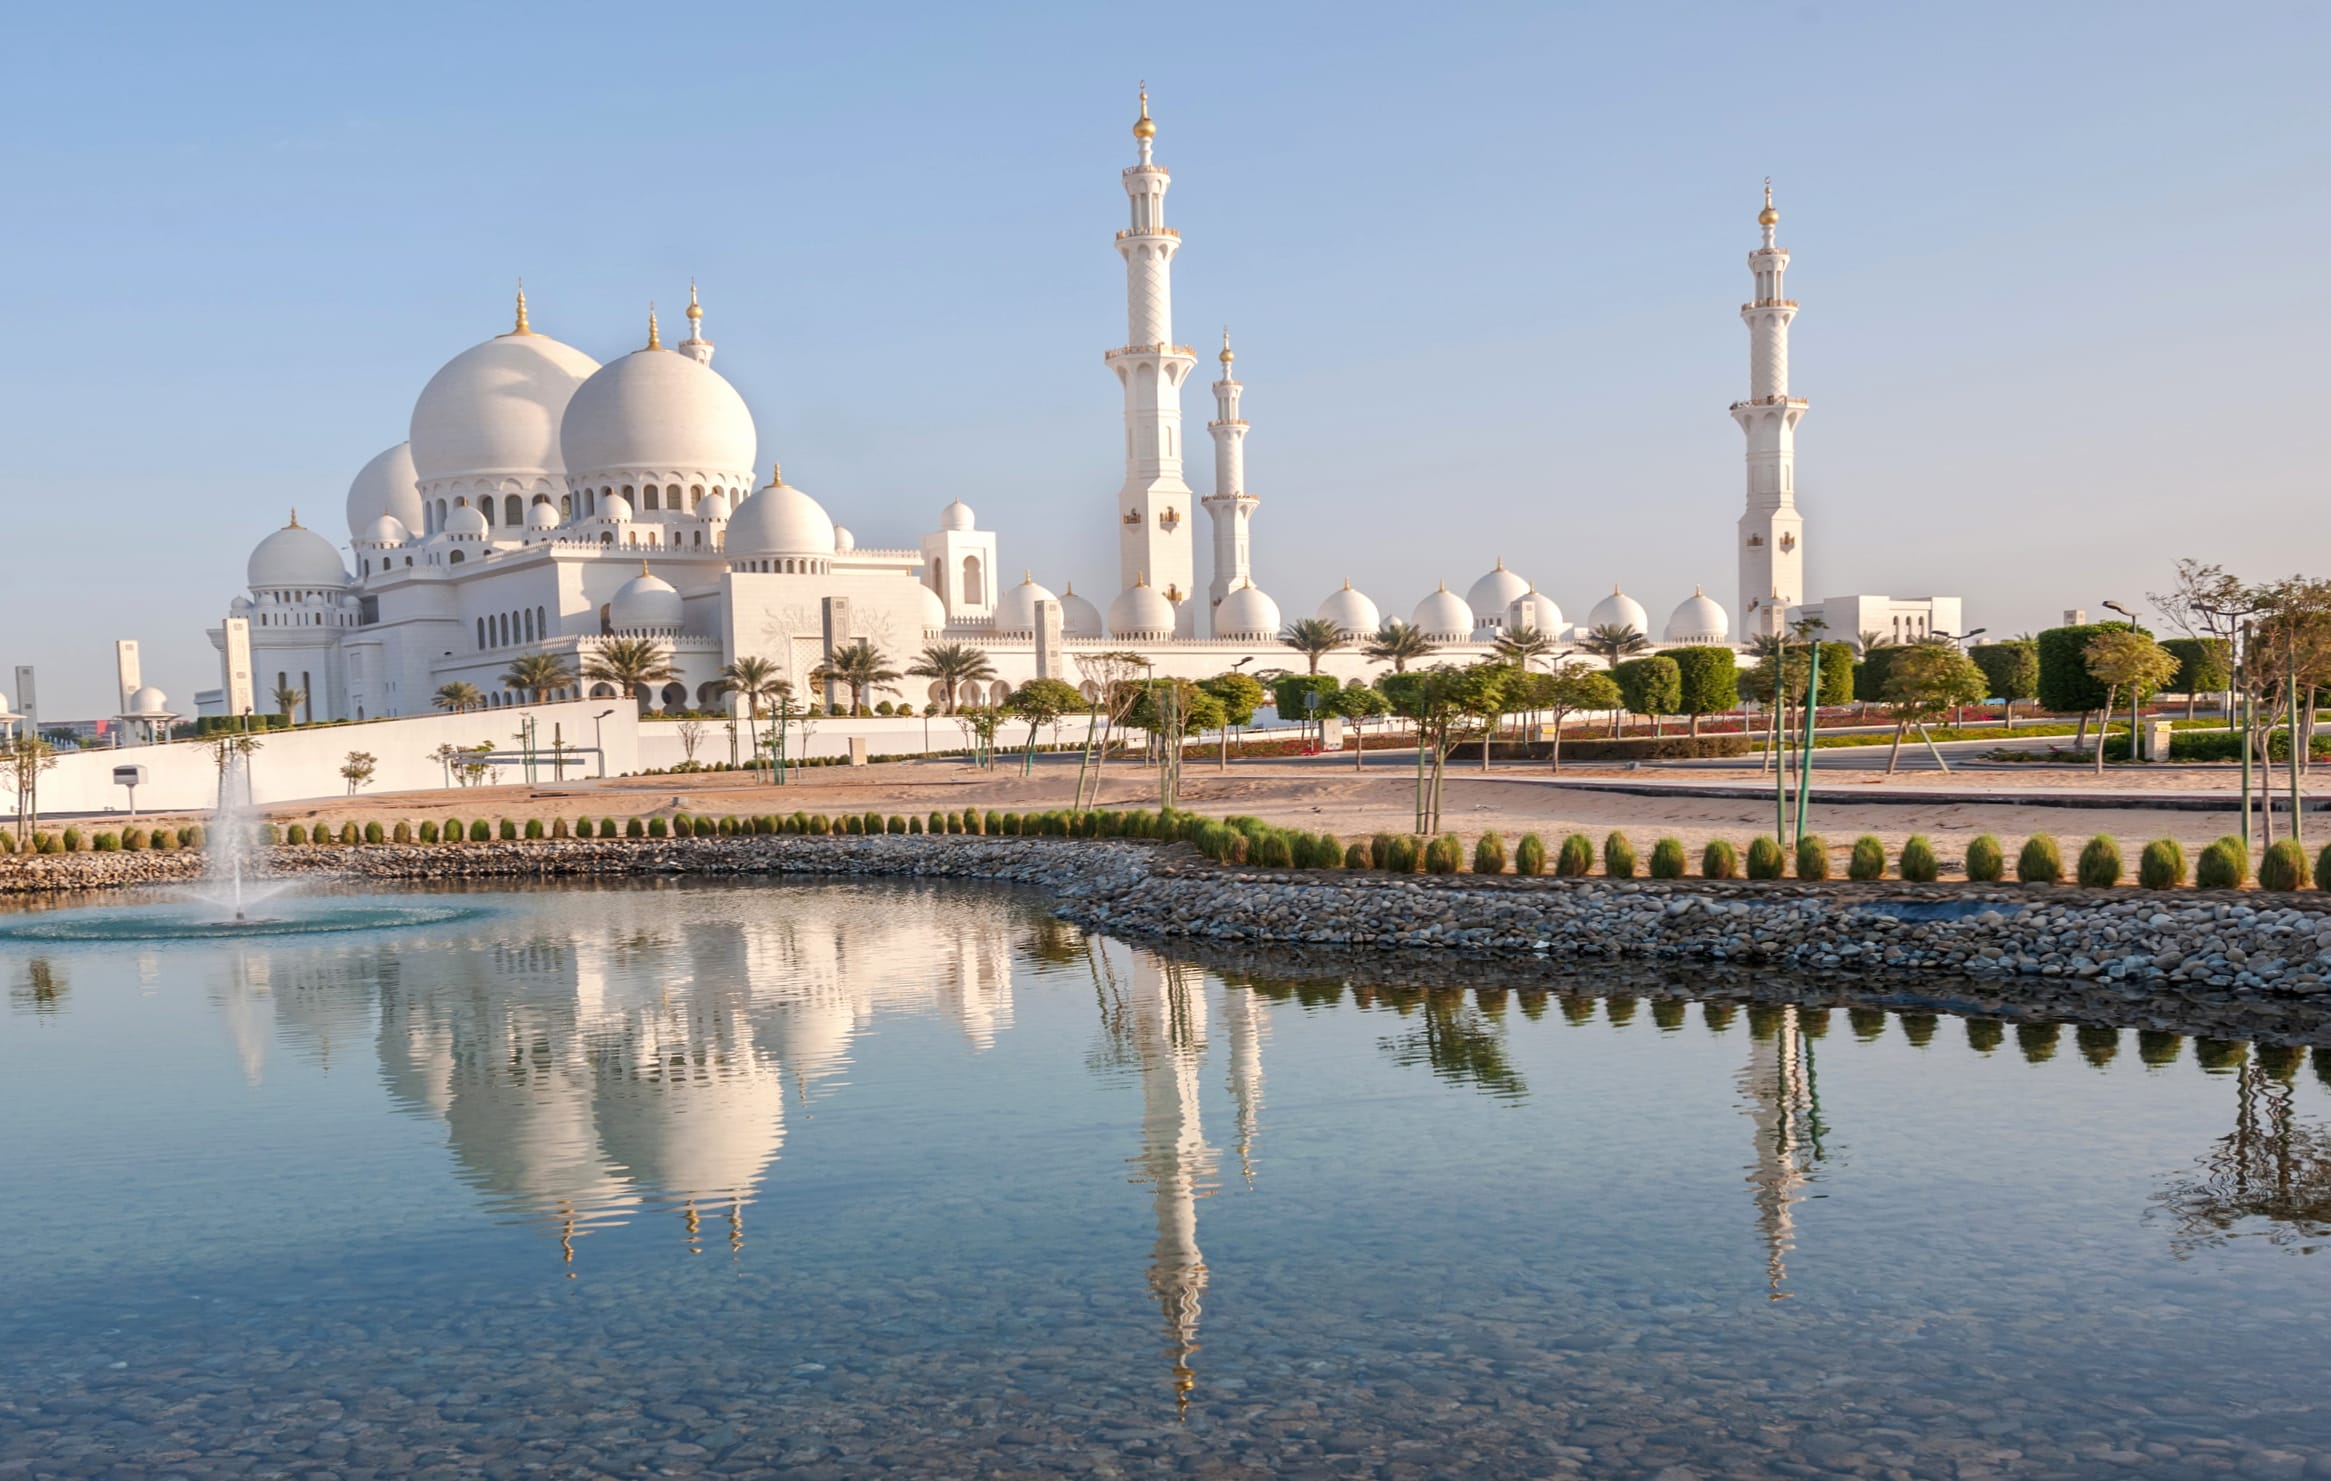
{"x":1328,"y":795}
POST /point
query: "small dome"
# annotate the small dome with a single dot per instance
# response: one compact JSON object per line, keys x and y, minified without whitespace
{"x":654,"y":411}
{"x":1493,"y":593}
{"x":542,"y":516}
{"x":645,"y":603}
{"x":844,"y":541}
{"x":779,"y":519}
{"x":1247,"y":613}
{"x":465,"y":521}
{"x":149,"y":701}
{"x":934,"y":610}
{"x":957,"y":516}
{"x":1351,"y":612}
{"x":386,"y":486}
{"x":3,"y":704}
{"x":1699,"y":620}
{"x":496,"y":409}
{"x":1141,"y":611}
{"x":615,"y":509}
{"x":1016,"y":607}
{"x":1443,"y":617}
{"x":295,"y":556}
{"x":1620,"y":610}
{"x":713,"y":507}
{"x":386,"y":530}
{"x":1078,"y":617}
{"x":1535,"y":610}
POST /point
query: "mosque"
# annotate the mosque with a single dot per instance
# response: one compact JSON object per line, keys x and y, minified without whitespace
{"x":546,"y":503}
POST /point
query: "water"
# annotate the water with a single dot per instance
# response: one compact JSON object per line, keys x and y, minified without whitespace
{"x":833,"y":1179}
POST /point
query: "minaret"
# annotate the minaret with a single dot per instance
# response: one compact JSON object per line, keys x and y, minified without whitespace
{"x":1777,"y":1088}
{"x":1169,"y":1010}
{"x":1154,"y":507}
{"x":1772,"y":533}
{"x":1230,"y":506}
{"x":696,"y":347}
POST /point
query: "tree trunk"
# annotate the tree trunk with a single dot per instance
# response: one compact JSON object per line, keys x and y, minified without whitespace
{"x":2080,"y":736}
{"x":2100,"y":732}
{"x":1695,"y":725}
{"x":1894,"y":756}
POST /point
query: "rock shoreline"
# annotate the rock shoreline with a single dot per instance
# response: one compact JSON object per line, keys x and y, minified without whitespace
{"x":2257,"y":949}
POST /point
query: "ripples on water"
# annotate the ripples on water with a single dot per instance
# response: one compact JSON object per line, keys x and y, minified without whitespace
{"x":837,"y":1178}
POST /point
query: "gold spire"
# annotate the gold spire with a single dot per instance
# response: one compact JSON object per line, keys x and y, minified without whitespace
{"x":1347,"y":583}
{"x":521,"y":326}
{"x":1768,"y":215}
{"x":1501,"y":562}
{"x":655,"y":340}
{"x":695,"y":309}
{"x":294,"y":520}
{"x":1141,"y":578}
{"x":643,"y":570}
{"x":1226,"y":356}
{"x":776,"y":473}
{"x":1142,"y":127}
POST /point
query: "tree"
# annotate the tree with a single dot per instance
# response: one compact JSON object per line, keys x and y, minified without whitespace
{"x":1710,"y":678}
{"x":1397,"y":643}
{"x":1314,"y":638}
{"x":2011,"y":671}
{"x":1112,"y":675}
{"x":1171,"y":710}
{"x":1577,"y":686}
{"x":358,"y":768}
{"x":1448,"y":705}
{"x":458,"y":696}
{"x":1924,"y":681}
{"x":1355,"y":701}
{"x":1651,"y":687}
{"x":691,"y":738}
{"x":979,"y":724}
{"x":632,"y":665}
{"x":474,"y":764}
{"x":754,"y":680}
{"x":537,"y":674}
{"x":22,"y":760}
{"x":1837,"y":665}
{"x":2126,"y":662}
{"x":2204,"y":666}
{"x":1872,"y":641}
{"x":1289,"y":692}
{"x":1869,"y":676}
{"x":2066,"y":686}
{"x":951,"y":666}
{"x":289,"y":697}
{"x":1041,"y":702}
{"x":1241,"y":695}
{"x":859,"y":667}
{"x":1524,"y":646}
{"x":1612,"y":641}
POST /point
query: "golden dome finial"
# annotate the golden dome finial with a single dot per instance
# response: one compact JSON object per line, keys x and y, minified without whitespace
{"x":643,"y":570}
{"x":1141,"y":578}
{"x":776,"y":473}
{"x":1768,"y":215}
{"x":695,"y":309}
{"x":1143,"y":128}
{"x":294,"y":520}
{"x":1227,"y":357}
{"x":655,"y":340}
{"x":521,"y":326}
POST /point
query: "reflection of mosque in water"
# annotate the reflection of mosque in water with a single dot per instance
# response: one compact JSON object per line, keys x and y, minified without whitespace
{"x":1777,"y":1089}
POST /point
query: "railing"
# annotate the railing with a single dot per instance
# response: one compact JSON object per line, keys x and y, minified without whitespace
{"x":1769,"y":303}
{"x":1155,"y":231}
{"x":1156,"y":349}
{"x":1774,"y":401}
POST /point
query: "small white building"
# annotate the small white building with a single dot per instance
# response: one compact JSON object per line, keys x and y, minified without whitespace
{"x":1895,"y":619}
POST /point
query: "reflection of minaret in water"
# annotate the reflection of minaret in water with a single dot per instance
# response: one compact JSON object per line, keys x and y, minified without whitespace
{"x":1248,"y":1020}
{"x":1778,"y":1086}
{"x":1170,"y":1036}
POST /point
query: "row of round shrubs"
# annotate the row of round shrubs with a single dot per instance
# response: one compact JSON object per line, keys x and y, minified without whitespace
{"x":1061,"y":823}
{"x":129,"y":840}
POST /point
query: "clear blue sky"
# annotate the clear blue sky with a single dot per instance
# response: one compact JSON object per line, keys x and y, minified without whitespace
{"x":2062,"y":267}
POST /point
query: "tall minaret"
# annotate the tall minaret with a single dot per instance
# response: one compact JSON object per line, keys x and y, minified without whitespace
{"x":1772,"y":533}
{"x":1154,"y":513}
{"x":1230,"y":506}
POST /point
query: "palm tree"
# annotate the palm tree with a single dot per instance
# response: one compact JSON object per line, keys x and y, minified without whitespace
{"x":754,"y":680}
{"x":1397,"y":643}
{"x":537,"y":674}
{"x":1524,"y":646}
{"x":861,"y":667}
{"x":952,"y":665}
{"x":288,"y":698}
{"x":458,"y":696}
{"x":630,"y":664}
{"x":1871,"y":639}
{"x":1612,"y":641}
{"x":1314,"y":638}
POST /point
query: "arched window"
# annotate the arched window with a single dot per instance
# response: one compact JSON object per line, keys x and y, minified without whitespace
{"x":628,"y":494}
{"x":672,"y":496}
{"x":606,"y":619}
{"x":695,"y":495}
{"x":566,"y":506}
{"x":528,"y":624}
{"x":606,"y":537}
{"x":651,"y":498}
{"x":971,"y":583}
{"x":454,"y":559}
{"x":440,"y":514}
{"x":486,"y":508}
{"x":513,"y":510}
{"x":541,"y":623}
{"x":699,"y":537}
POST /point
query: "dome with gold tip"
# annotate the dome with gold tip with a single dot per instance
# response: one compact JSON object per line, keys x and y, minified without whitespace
{"x":1143,"y":127}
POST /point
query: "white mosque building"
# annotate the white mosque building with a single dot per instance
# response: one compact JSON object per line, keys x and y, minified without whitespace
{"x":546,"y":503}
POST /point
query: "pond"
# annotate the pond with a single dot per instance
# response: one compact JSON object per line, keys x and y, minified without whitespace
{"x":829,"y":1179}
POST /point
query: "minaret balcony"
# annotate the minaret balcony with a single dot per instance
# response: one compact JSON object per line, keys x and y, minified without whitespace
{"x":1769,"y":303}
{"x":1797,"y":401}
{"x":1183,"y":351}
{"x":1154,"y":231}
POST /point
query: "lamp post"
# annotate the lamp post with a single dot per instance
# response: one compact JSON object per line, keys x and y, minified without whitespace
{"x":2125,"y":612}
{"x":599,"y":739}
{"x":2236,"y":621}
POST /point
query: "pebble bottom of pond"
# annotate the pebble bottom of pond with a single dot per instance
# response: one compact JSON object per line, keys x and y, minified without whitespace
{"x":833,"y":1180}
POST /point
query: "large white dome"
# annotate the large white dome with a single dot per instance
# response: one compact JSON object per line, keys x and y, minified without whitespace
{"x":645,"y":603}
{"x":656,"y":412}
{"x":1535,"y":610}
{"x":1141,"y":611}
{"x":1699,"y":620}
{"x":1494,"y":592}
{"x":295,"y":556}
{"x":1078,"y":617}
{"x":1247,"y":613}
{"x":780,"y":519}
{"x":1016,"y":606}
{"x":1443,"y":617}
{"x":386,"y":485}
{"x":495,"y":409}
{"x":1620,"y":610}
{"x":1352,"y":612}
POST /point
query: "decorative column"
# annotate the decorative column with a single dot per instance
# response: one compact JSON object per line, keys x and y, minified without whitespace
{"x":1772,"y":533}
{"x":1154,"y":508}
{"x":1230,"y":506}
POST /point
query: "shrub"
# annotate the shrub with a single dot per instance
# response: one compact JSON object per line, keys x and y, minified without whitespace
{"x":1444,"y":855}
{"x":1765,"y":859}
{"x":714,"y":827}
{"x":2162,"y":865}
{"x":2040,"y":862}
{"x":1618,"y":856}
{"x":1399,"y":856}
{"x":1274,"y":849}
{"x":1530,"y":855}
{"x":874,"y":822}
{"x":427,"y":831}
{"x":914,"y":825}
{"x":1380,"y":850}
{"x":1868,"y":859}
{"x":506,"y":830}
{"x":1356,"y":857}
{"x":348,"y":833}
{"x":1667,"y":859}
{"x":559,"y":829}
{"x":1986,"y":860}
{"x":105,"y":843}
{"x":1328,"y":852}
{"x":993,"y":823}
{"x":402,"y":832}
{"x":2100,"y":863}
{"x":894,"y":824}
{"x":192,"y":836}
{"x":2284,"y":866}
{"x":1719,"y":860}
{"x":635,"y":828}
{"x":658,"y":828}
{"x":850,"y":823}
{"x":2323,"y":868}
{"x":480,"y":831}
{"x":296,"y":833}
{"x":952,"y":822}
{"x":1812,"y":857}
{"x":1919,"y":864}
{"x":820,"y":826}
{"x":683,"y":825}
{"x":971,"y":820}
{"x":1575,"y":859}
{"x":133,"y":840}
{"x":1489,"y":854}
{"x":938,"y":822}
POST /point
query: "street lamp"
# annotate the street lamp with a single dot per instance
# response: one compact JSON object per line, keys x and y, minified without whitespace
{"x":599,"y":739}
{"x":2125,"y":612}
{"x":2236,"y":623}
